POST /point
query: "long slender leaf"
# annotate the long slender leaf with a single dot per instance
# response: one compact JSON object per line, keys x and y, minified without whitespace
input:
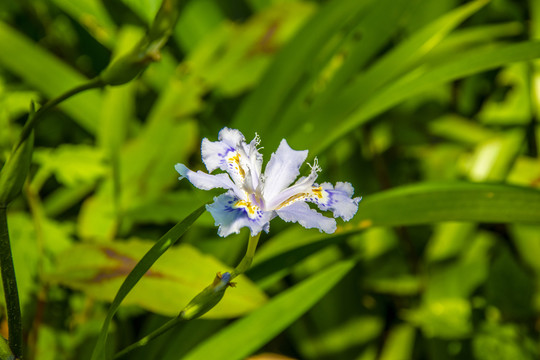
{"x":138,"y":272}
{"x":290,"y":64}
{"x":248,"y":334}
{"x":418,"y":81}
{"x":92,"y":15}
{"x":49,"y":75}
{"x":417,"y":204}
{"x":434,"y":202}
{"x":355,"y":54}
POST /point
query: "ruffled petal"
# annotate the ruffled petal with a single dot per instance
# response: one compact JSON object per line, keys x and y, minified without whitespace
{"x":206,"y":181}
{"x":231,"y":137}
{"x":282,"y":169}
{"x":215,"y":153}
{"x":301,"y":212}
{"x":231,"y":219}
{"x":232,"y":154}
{"x":338,"y":199}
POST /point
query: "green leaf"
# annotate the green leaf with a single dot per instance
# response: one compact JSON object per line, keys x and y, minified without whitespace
{"x":248,"y":334}
{"x":49,"y":75}
{"x":274,"y":263}
{"x":447,"y":318}
{"x":73,"y":165}
{"x":181,"y":273}
{"x":507,"y":341}
{"x":146,"y":174}
{"x":342,"y":101}
{"x":400,"y":343}
{"x":510,"y":288}
{"x":92,"y":15}
{"x":164,"y":243}
{"x":410,"y":51}
{"x":493,"y":159}
{"x":408,"y":205}
{"x":435,"y":202}
{"x":233,"y":57}
{"x":196,"y":20}
{"x":424,"y":78}
{"x":460,"y":130}
{"x":461,"y":39}
{"x":145,"y":9}
{"x":330,"y":75}
{"x":516,"y":107}
{"x":289,"y":66}
{"x":448,"y":240}
{"x":526,"y":239}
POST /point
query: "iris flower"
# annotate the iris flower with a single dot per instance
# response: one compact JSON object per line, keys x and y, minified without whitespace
{"x":253,"y":198}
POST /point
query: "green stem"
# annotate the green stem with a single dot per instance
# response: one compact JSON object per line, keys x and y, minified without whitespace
{"x":10,"y":288}
{"x":246,"y":261}
{"x":34,"y":116}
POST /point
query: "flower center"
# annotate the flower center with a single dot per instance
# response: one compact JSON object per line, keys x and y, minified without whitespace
{"x":252,"y":210}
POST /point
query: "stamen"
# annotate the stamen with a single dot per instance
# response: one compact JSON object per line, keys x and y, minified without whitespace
{"x":315,"y":167}
{"x":235,"y":160}
{"x":291,"y":199}
{"x":256,"y":140}
{"x":252,"y":209}
{"x":317,"y":191}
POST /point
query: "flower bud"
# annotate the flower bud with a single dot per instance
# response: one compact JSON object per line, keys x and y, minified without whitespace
{"x":208,"y":298}
{"x":129,"y":66}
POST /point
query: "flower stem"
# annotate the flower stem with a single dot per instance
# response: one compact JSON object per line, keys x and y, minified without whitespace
{"x":34,"y":116}
{"x":246,"y":261}
{"x":10,"y":288}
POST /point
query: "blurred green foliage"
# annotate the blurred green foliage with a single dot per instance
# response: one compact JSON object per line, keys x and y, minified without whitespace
{"x":429,"y":108}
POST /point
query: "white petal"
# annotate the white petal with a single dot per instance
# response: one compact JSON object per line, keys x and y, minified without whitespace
{"x":214,"y":154}
{"x":206,"y":181}
{"x":231,"y":154}
{"x":298,"y":192}
{"x":338,"y":199}
{"x":231,"y":219}
{"x":301,"y":212}
{"x":282,"y":169}
{"x":231,"y":137}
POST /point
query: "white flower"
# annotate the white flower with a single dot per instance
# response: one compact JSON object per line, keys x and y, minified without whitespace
{"x":253,"y":198}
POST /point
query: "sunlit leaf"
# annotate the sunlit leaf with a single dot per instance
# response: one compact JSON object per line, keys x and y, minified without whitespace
{"x":515,"y":108}
{"x":180,"y":274}
{"x":73,"y":165}
{"x":434,"y":202}
{"x":400,"y":343}
{"x":416,"y":82}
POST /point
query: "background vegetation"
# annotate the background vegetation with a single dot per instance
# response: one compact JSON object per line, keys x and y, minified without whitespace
{"x":429,"y":108}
